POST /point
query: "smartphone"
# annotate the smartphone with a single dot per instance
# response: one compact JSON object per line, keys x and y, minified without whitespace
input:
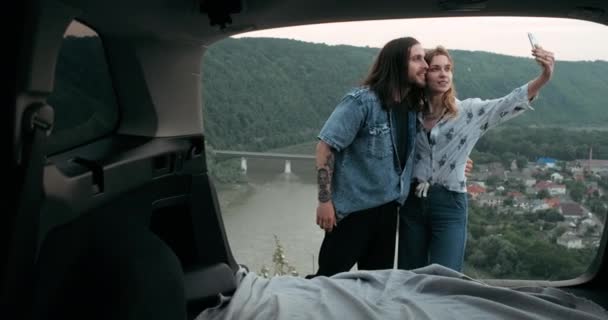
{"x":533,"y":40}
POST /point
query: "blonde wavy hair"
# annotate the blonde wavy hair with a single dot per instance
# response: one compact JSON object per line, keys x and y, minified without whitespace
{"x":449,"y":97}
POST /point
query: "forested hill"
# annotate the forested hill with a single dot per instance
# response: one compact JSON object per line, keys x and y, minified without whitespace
{"x":265,"y":93}
{"x":274,"y":92}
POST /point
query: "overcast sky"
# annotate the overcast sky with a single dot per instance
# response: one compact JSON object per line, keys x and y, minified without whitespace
{"x":568,"y":39}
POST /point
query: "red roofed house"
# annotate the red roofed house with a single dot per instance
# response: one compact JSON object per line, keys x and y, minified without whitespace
{"x":515,"y":194}
{"x":519,"y":199}
{"x":571,"y":210}
{"x":552,"y":202}
{"x":475,"y":190}
{"x":553,"y":188}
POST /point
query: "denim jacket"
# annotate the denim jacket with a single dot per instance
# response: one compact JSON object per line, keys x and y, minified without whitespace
{"x":367,"y":172}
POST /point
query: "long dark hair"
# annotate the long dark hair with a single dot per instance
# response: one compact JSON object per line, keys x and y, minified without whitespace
{"x":388,"y":76}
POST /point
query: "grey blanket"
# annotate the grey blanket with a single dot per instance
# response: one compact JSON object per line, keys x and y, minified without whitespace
{"x":433,"y":292}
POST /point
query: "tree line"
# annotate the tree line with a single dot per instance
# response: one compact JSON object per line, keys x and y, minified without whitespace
{"x":260,"y":94}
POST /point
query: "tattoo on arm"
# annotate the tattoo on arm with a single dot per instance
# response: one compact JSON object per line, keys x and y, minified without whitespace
{"x":324,"y":175}
{"x":324,"y":195}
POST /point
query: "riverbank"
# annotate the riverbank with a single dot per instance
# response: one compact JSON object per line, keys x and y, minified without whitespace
{"x":230,"y":194}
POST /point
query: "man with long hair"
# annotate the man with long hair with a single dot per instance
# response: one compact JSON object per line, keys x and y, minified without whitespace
{"x":364,"y":161}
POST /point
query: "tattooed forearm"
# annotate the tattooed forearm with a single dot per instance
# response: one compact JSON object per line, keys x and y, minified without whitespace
{"x":324,"y":195}
{"x":322,"y":177}
{"x":324,"y":180}
{"x":324,"y":174}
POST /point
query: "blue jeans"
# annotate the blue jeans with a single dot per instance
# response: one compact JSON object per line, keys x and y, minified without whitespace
{"x":433,"y":229}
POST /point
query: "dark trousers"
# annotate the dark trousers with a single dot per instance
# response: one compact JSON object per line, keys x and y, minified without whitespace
{"x":364,"y":237}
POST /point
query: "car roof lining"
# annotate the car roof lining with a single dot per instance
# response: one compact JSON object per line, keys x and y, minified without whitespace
{"x":183,"y":19}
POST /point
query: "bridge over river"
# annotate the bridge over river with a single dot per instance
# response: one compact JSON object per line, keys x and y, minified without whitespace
{"x":244,"y":155}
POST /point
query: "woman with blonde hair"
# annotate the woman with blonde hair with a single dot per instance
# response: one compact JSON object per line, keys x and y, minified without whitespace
{"x":433,"y":221}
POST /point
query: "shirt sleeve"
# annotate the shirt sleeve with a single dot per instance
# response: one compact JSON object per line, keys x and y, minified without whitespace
{"x":344,"y":123}
{"x":490,"y":113}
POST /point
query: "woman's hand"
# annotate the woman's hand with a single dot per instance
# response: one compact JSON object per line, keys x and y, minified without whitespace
{"x":546,"y":59}
{"x":468,"y":168}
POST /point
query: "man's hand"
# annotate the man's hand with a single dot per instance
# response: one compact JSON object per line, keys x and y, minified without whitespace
{"x":326,"y":216}
{"x":468,"y":168}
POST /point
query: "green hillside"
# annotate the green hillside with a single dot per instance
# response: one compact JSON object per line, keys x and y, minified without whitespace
{"x":261,"y":94}
{"x":267,"y":93}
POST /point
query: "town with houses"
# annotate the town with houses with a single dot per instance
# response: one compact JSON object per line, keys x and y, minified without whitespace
{"x":543,"y":186}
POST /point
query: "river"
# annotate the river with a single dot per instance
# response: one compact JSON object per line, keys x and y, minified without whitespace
{"x":273,"y":203}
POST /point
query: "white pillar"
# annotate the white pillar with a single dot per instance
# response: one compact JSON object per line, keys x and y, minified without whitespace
{"x":287,"y":166}
{"x":244,"y":164}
